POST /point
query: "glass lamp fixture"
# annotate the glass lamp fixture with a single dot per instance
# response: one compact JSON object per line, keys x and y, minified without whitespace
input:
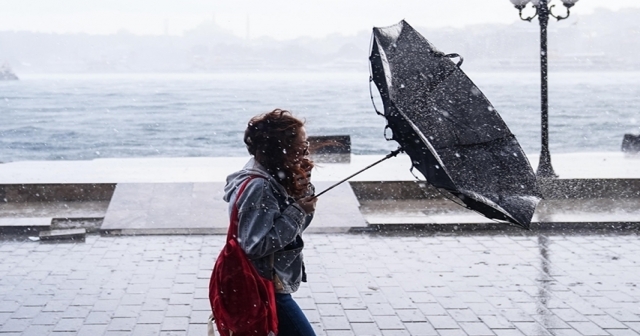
{"x":520,"y":4}
{"x":569,"y":3}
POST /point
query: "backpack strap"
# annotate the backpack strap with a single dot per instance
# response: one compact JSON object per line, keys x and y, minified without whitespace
{"x":232,"y":233}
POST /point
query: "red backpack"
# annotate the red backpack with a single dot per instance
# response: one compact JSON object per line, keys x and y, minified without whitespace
{"x":242,"y":301}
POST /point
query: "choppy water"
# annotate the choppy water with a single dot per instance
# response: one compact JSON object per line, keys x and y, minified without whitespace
{"x":71,"y":117}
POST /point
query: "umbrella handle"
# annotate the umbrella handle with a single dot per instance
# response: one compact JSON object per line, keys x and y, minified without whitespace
{"x":390,"y":155}
{"x":459,"y":64}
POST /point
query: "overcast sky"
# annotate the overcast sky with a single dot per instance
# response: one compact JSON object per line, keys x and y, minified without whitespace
{"x":280,"y":19}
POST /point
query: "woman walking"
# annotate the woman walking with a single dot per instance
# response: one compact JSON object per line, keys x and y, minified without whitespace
{"x":274,"y":208}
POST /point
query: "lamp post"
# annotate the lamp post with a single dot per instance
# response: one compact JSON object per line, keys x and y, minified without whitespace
{"x":543,"y":11}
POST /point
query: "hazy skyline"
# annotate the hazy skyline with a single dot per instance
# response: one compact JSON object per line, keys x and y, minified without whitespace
{"x":279,"y":19}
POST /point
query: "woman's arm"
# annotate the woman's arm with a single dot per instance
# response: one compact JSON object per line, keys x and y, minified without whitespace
{"x":262,"y":228}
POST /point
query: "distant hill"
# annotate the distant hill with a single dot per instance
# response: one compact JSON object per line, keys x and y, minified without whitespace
{"x":604,"y":40}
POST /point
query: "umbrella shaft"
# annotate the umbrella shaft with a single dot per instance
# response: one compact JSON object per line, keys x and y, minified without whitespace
{"x":390,"y":155}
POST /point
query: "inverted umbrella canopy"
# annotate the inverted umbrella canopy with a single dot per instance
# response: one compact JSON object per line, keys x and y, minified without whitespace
{"x":452,"y":133}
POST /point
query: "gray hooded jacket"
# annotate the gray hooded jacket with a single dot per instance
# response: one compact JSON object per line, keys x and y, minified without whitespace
{"x":270,"y":225}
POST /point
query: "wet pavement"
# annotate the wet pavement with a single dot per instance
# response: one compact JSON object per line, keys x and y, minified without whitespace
{"x":359,"y":284}
{"x":561,"y":212}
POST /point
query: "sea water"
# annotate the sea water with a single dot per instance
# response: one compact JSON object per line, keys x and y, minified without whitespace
{"x":79,"y":117}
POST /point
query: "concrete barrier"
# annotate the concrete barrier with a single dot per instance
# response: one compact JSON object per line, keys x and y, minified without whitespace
{"x":56,"y":192}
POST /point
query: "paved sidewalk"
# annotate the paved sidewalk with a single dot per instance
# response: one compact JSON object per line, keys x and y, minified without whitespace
{"x":461,"y":284}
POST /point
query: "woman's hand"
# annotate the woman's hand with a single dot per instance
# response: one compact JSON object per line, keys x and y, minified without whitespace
{"x":308,"y":204}
{"x":304,"y":180}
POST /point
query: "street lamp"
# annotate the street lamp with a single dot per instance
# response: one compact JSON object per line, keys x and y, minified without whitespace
{"x":543,"y":11}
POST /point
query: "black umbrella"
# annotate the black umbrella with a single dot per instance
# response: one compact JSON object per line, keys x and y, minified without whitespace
{"x":452,"y":133}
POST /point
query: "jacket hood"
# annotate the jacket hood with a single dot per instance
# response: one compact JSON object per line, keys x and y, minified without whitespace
{"x":252,"y":168}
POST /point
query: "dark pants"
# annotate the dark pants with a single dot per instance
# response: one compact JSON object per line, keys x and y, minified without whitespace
{"x":291,"y":319}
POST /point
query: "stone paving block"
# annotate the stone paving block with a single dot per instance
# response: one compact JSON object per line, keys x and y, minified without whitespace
{"x":634,"y":326}
{"x":451,"y":332}
{"x":183,"y":288}
{"x":116,"y":333}
{"x":483,"y":308}
{"x":373,"y":297}
{"x":325,"y":298}
{"x":443,"y":322}
{"x":410,"y":315}
{"x":105,"y":305}
{"x":69,"y":324}
{"x":98,"y":317}
{"x":122,"y":324}
{"x":623,"y":315}
{"x":199,"y":317}
{"x":430,"y":309}
{"x":346,"y":292}
{"x":159,"y":293}
{"x":180,"y":299}
{"x":388,"y":322}
{"x":175,"y":324}
{"x":330,"y":309}
{"x":398,"y":302}
{"x":496,"y":322}
{"x":463,"y":315}
{"x":335,"y":322}
{"x":155,"y":304}
{"x":57,"y":306}
{"x":444,"y":292}
{"x":178,"y":310}
{"x":606,"y":322}
{"x":395,"y":332}
{"x":37,"y":330}
{"x":15,"y":325}
{"x":150,"y":317}
{"x":570,"y":315}
{"x":588,"y":328}
{"x":312,"y":315}
{"x":422,"y":297}
{"x":619,"y":297}
{"x":76,"y":312}
{"x":471,"y":297}
{"x":621,"y":332}
{"x":516,"y":315}
{"x":420,"y":329}
{"x":4,"y":317}
{"x":321,"y":287}
{"x":365,"y":329}
{"x":551,"y":321}
{"x":585,"y":308}
{"x":532,"y":328}
{"x":201,"y":304}
{"x":127,"y":311}
{"x":501,"y":302}
{"x":26,"y":312}
{"x":47,"y":318}
{"x":352,"y":303}
{"x":37,"y":300}
{"x":307,"y":303}
{"x":507,"y":332}
{"x":92,"y":330}
{"x":173,"y":333}
{"x":476,"y":329}
{"x":319,"y":330}
{"x":380,"y":309}
{"x":196,"y":330}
